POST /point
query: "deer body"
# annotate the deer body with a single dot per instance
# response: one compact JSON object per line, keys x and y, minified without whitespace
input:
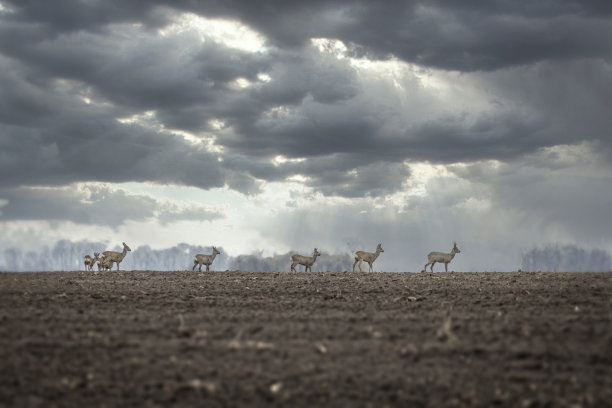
{"x":307,"y":261}
{"x":441,"y":257}
{"x":201,"y":259}
{"x":113,"y":256}
{"x":105,"y":264}
{"x":369,"y":257}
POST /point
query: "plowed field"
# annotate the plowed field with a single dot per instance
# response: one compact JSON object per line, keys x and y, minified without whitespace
{"x":139,"y":338}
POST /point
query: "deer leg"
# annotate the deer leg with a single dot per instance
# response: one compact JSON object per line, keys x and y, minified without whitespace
{"x":356,"y":260}
{"x":432,"y":265}
{"x":445,"y":266}
{"x":293,"y":267}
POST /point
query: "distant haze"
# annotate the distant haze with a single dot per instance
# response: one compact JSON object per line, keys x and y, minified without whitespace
{"x":67,"y":256}
{"x":567,"y":258}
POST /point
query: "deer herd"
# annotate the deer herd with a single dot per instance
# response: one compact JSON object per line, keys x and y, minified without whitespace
{"x":105,"y":262}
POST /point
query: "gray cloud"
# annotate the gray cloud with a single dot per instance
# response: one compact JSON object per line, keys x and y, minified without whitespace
{"x":465,"y":36}
{"x":93,"y":205}
{"x":126,"y":70}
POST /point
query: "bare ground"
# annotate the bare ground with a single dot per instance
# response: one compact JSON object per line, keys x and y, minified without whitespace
{"x":305,"y":339}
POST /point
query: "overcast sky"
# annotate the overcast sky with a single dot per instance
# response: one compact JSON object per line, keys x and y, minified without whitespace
{"x":283,"y":125}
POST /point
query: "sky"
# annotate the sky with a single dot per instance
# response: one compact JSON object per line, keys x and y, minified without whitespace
{"x":274,"y":126}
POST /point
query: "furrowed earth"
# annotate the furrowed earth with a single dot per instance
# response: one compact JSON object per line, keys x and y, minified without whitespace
{"x":305,"y":339}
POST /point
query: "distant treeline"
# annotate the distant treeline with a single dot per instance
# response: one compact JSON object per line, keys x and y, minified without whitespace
{"x":67,"y":256}
{"x":256,"y":262}
{"x":566,"y":258}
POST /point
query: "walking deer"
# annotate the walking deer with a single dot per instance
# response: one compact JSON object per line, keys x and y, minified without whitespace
{"x":307,"y":261}
{"x":117,"y":257}
{"x":201,"y":259}
{"x":369,"y":257}
{"x":441,"y":257}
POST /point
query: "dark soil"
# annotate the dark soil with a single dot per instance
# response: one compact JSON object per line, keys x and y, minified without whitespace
{"x":77,"y":339}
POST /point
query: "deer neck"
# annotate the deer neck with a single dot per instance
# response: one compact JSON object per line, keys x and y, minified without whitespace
{"x":376,"y":254}
{"x":314,"y":257}
{"x":212,"y":256}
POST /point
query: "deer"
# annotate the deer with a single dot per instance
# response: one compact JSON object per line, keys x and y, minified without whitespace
{"x":307,"y":261}
{"x":113,"y":256}
{"x":89,"y":261}
{"x":369,"y":257}
{"x":105,"y":264}
{"x":441,"y":257}
{"x":201,"y":259}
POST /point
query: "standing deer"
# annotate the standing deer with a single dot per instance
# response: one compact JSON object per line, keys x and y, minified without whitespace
{"x":369,"y":257}
{"x":441,"y":257}
{"x":117,"y":257}
{"x":307,"y":261}
{"x":105,"y":264}
{"x":201,"y":259}
{"x":89,"y":261}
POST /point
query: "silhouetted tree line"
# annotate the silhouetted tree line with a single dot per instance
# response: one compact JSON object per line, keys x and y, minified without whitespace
{"x":566,"y":258}
{"x":256,"y":262}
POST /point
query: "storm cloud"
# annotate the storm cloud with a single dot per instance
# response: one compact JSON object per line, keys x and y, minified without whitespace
{"x":336,"y":101}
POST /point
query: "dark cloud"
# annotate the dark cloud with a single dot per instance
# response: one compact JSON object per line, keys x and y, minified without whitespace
{"x":371,"y":180}
{"x":68,"y":72}
{"x":49,"y":136}
{"x":77,"y":15}
{"x":459,"y":35}
{"x":93,"y":205}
